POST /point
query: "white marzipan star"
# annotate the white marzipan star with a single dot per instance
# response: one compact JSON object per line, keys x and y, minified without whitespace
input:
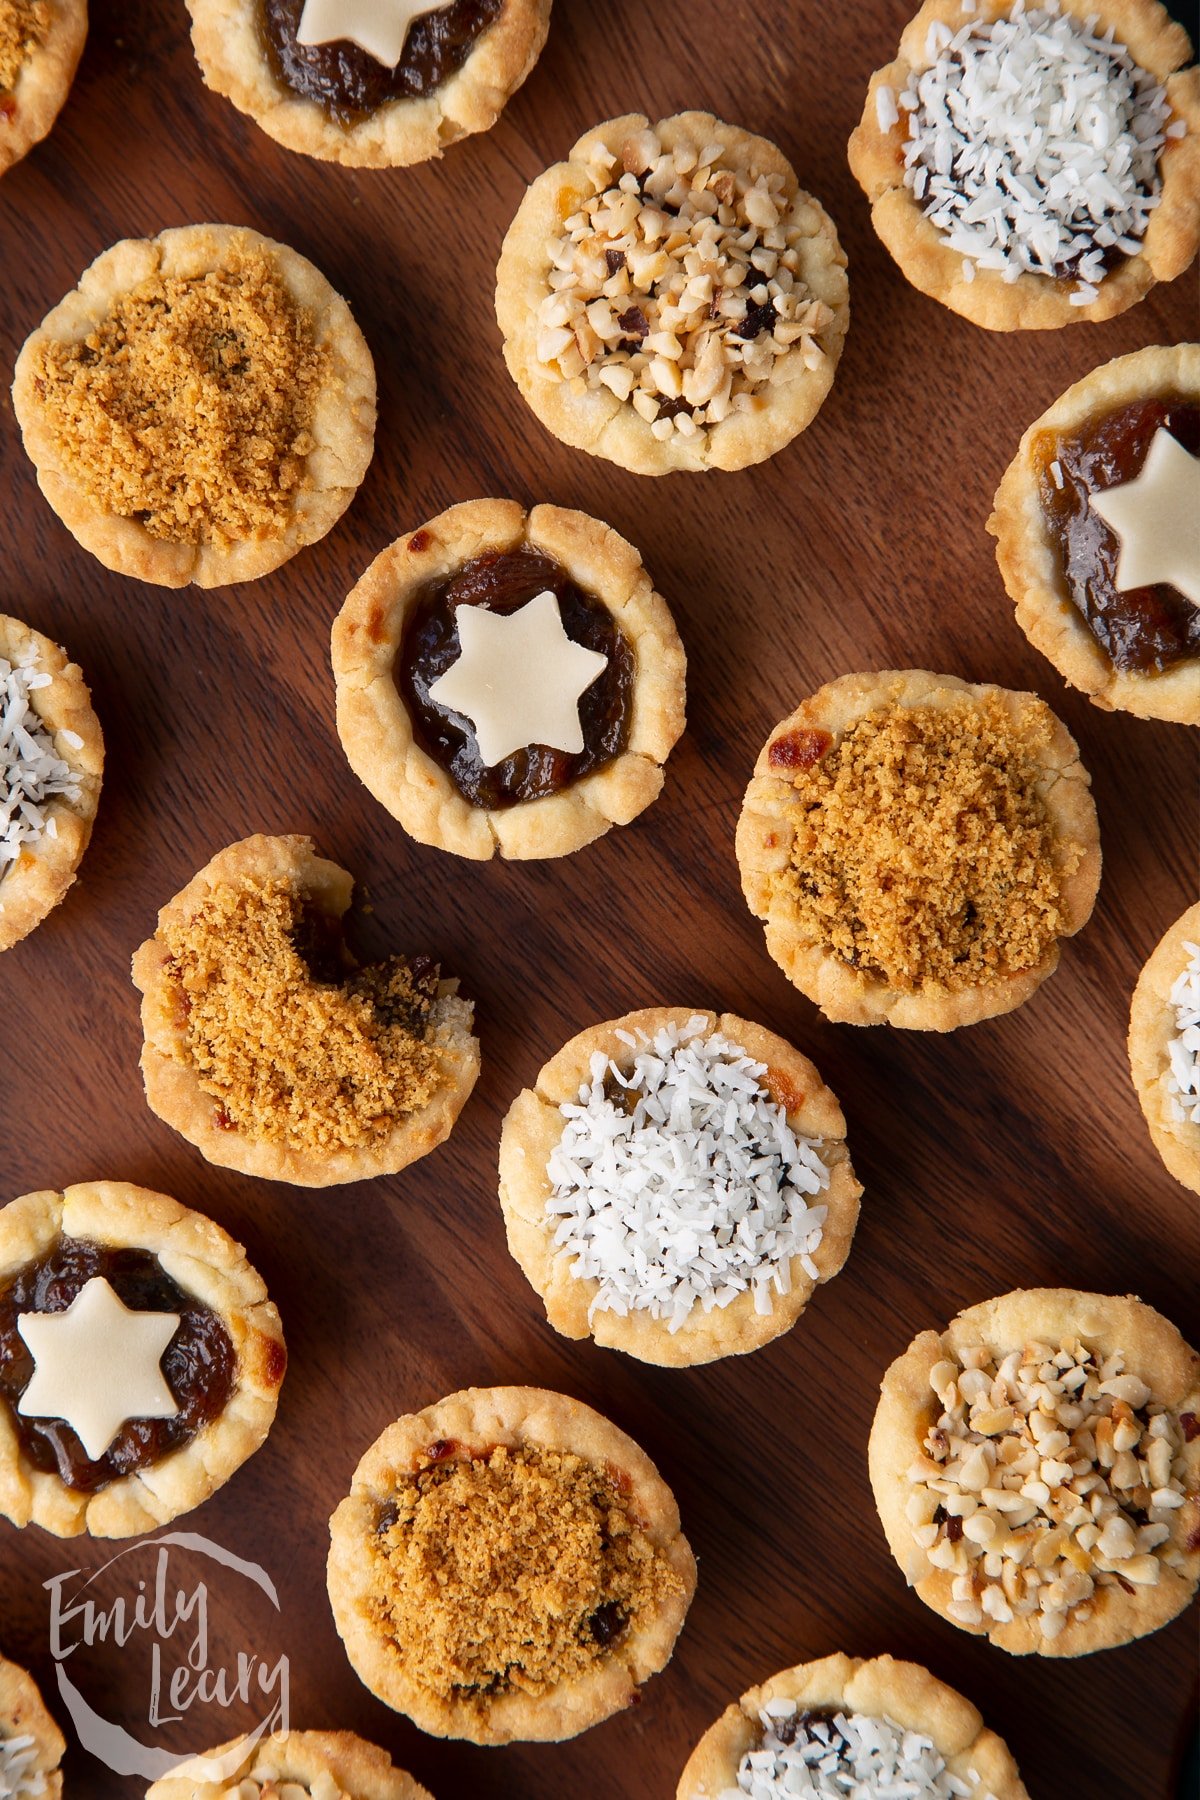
{"x":1157,"y":518}
{"x":96,"y":1366}
{"x":377,"y":26}
{"x":519,"y":678}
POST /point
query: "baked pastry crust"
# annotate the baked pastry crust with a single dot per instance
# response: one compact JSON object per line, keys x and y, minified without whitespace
{"x":534,"y":1125}
{"x":766,"y":833}
{"x":1151,"y":1028}
{"x":343,"y":425}
{"x":27,"y":114}
{"x":361,"y":1770}
{"x":597,"y":421}
{"x":1030,"y":561}
{"x":173,"y":1090}
{"x":1153,"y":1350}
{"x":905,"y":1692}
{"x":234,"y":62}
{"x":206,"y":1262}
{"x":1036,"y":302}
{"x":43,"y":872}
{"x":375,"y":725}
{"x":23,"y":1714}
{"x":480,"y":1419}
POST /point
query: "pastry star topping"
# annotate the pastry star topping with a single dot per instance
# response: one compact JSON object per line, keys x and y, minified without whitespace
{"x":1157,"y":518}
{"x":96,"y":1366}
{"x":519,"y":679}
{"x":377,"y":26}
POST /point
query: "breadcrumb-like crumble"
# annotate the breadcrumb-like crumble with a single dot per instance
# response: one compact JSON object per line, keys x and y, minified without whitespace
{"x":516,"y":1569}
{"x":314,"y":1060}
{"x":24,"y":25}
{"x":923,"y":853}
{"x":190,"y":406}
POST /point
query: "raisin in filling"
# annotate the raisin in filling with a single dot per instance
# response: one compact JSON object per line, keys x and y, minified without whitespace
{"x":348,"y":82}
{"x":1144,"y":630}
{"x":199,"y":1364}
{"x":503,"y":582}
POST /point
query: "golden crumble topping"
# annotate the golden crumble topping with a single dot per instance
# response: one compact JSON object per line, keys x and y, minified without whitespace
{"x":516,"y":1569}
{"x":190,"y":407}
{"x":294,"y":1047}
{"x":923,"y":853}
{"x":24,"y":25}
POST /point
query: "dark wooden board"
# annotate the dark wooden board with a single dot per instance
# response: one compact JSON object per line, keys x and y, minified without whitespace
{"x":1009,"y":1154}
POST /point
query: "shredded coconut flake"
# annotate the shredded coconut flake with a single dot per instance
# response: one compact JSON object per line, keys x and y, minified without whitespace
{"x":1034,"y":144}
{"x":681,"y":1182}
{"x":30,"y":773}
{"x":1183,"y":1049}
{"x":850,"y":1756}
{"x":19,"y":1780}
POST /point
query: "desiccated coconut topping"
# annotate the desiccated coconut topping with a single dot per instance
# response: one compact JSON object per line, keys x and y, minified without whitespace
{"x":676,"y":286}
{"x":31,"y":774}
{"x":680,"y":1182}
{"x":19,"y":1780}
{"x":1049,"y":1477}
{"x":1033,"y":145}
{"x":853,"y":1756}
{"x":1183,"y":1048}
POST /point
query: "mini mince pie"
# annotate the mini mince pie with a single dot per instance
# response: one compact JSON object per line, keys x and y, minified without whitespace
{"x":140,"y":1359}
{"x":676,"y":1185}
{"x":1097,"y":537}
{"x":291,"y":1765}
{"x":51,"y":762}
{"x":271,"y":1049}
{"x":31,"y":1745}
{"x":1164,"y":1047}
{"x":1037,"y":1470}
{"x":917,"y":847}
{"x":508,"y":1565}
{"x":844,"y":1727}
{"x":41,"y":42}
{"x":670,"y":298}
{"x":509,"y":682}
{"x":1031,"y":165}
{"x":373,"y":83}
{"x":199,"y":408}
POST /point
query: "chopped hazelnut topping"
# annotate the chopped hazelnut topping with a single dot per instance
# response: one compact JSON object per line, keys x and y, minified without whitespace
{"x":190,"y":406}
{"x":314,"y":1058}
{"x":24,"y":25}
{"x":516,"y":1569}
{"x":923,"y":853}
{"x":1062,"y":1474}
{"x":676,"y":285}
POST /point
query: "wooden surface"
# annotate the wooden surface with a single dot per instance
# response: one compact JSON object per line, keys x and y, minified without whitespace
{"x":1009,"y":1154}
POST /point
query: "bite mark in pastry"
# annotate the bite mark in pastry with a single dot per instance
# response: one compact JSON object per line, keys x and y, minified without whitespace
{"x":178,"y":1278}
{"x":917,"y":846}
{"x":507,"y":1565}
{"x":269,"y":1047}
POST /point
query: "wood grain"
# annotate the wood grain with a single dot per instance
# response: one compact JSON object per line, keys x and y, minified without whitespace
{"x":1009,"y":1154}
